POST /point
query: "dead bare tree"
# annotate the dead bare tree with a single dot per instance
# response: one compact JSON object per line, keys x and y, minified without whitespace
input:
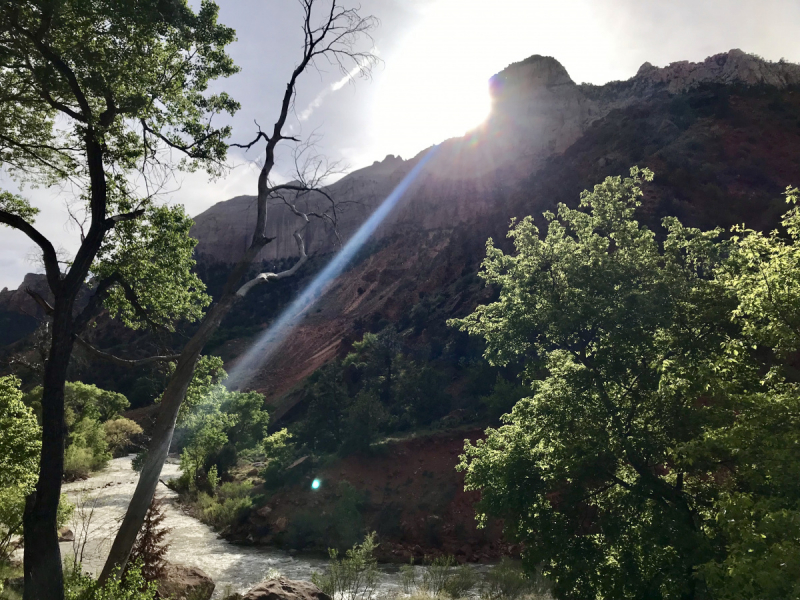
{"x":333,"y":38}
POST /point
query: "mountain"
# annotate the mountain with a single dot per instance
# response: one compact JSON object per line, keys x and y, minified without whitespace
{"x":538,"y":112}
{"x":722,"y":136}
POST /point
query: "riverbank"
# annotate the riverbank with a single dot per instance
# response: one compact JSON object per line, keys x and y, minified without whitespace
{"x":103,"y":498}
{"x":407,"y":490}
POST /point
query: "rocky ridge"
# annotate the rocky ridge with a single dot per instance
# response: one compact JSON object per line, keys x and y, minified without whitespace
{"x":538,"y":111}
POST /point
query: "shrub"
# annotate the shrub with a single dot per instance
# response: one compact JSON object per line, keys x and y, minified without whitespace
{"x":19,"y":456}
{"x":87,"y":441}
{"x":231,"y":504}
{"x":227,"y":513}
{"x":213,"y":478}
{"x":119,"y":433}
{"x":506,"y":581}
{"x":408,"y":577}
{"x":279,"y":451}
{"x":436,"y":573}
{"x":461,"y":581}
{"x":307,"y":529}
{"x":234,"y":489}
{"x":78,"y":463}
{"x":132,"y":586}
{"x":354,"y":577}
{"x":348,"y":524}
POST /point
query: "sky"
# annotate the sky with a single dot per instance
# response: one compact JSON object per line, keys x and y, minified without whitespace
{"x":436,"y":59}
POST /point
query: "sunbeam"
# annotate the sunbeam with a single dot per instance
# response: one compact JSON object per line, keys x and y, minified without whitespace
{"x":263,"y":348}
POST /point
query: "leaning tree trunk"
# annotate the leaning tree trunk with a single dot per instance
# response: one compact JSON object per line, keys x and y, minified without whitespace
{"x":42,"y":557}
{"x":167,"y":417}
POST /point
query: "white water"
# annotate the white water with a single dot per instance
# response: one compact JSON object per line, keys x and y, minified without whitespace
{"x":233,"y":568}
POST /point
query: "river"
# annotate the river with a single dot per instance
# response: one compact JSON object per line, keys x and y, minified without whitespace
{"x":233,"y":568}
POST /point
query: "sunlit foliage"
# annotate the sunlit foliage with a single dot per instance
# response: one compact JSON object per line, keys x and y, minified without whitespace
{"x":657,"y":453}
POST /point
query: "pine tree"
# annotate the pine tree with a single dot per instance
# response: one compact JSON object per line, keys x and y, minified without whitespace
{"x":151,"y":548}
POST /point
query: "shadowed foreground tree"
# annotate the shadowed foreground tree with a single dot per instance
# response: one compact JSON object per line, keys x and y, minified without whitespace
{"x":97,"y":95}
{"x":150,"y":550}
{"x":331,"y":36}
{"x":657,"y":454}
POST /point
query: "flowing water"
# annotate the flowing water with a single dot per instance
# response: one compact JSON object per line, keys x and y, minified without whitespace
{"x":105,"y":496}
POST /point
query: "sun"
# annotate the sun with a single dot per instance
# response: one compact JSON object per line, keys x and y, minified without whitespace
{"x":429,"y":92}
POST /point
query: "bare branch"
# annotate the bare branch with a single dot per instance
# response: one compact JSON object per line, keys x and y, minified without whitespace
{"x":259,"y":135}
{"x":48,"y":310}
{"x":124,"y":362}
{"x":265,"y":277}
{"x":130,"y":216}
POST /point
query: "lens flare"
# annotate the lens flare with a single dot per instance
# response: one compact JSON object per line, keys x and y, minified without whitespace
{"x":269,"y":341}
{"x":315,"y":484}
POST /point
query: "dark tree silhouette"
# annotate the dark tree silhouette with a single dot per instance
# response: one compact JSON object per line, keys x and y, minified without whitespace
{"x":151,"y":546}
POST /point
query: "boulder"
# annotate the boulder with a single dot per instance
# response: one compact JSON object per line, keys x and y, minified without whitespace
{"x":285,"y":589}
{"x":182,"y":582}
{"x":65,"y":534}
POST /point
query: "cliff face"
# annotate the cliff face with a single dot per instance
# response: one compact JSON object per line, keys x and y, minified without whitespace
{"x":538,"y":112}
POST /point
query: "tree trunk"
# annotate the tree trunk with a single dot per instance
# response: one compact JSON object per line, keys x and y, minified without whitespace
{"x":42,"y":557}
{"x":162,"y":435}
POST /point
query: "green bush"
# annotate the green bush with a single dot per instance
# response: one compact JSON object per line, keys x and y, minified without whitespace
{"x":119,"y":433}
{"x":354,"y":577}
{"x":20,"y":449}
{"x":434,"y":578}
{"x":408,"y":577}
{"x":307,"y":529}
{"x":507,"y":581}
{"x":227,"y":513}
{"x":231,"y":504}
{"x":460,"y":581}
{"x":81,"y":586}
{"x":77,"y":463}
{"x":279,"y":452}
{"x":347,"y":520}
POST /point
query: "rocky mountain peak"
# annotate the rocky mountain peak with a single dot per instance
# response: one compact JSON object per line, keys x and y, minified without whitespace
{"x":727,"y":68}
{"x":534,"y":72}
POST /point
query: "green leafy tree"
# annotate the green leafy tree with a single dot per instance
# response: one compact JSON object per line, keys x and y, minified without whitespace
{"x":19,"y":438}
{"x":279,"y":451}
{"x":19,"y":456}
{"x":757,"y":513}
{"x":217,"y":423}
{"x":119,"y":433}
{"x":20,"y":444}
{"x":83,"y":399}
{"x":374,"y":357}
{"x":205,"y":432}
{"x":323,"y":428}
{"x":87,"y":410}
{"x":97,"y":95}
{"x":653,"y":451}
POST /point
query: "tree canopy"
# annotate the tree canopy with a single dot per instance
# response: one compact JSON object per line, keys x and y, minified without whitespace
{"x":656,"y":454}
